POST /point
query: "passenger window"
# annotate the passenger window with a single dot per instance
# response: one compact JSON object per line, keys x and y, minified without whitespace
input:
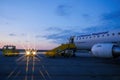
{"x":107,"y":34}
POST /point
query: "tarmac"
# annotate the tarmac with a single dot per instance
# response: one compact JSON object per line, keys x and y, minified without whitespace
{"x":82,"y":67}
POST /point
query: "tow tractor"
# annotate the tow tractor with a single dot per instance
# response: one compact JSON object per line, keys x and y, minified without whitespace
{"x":10,"y":50}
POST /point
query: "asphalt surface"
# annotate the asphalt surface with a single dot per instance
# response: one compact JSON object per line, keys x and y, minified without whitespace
{"x":82,"y":67}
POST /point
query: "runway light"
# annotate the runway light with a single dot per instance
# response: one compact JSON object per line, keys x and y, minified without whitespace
{"x":34,"y":52}
{"x":31,"y":52}
{"x":27,"y":52}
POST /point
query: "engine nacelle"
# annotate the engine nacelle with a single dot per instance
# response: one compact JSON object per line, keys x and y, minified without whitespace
{"x":106,"y":50}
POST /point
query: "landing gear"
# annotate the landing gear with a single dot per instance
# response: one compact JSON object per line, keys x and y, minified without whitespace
{"x":68,"y":53}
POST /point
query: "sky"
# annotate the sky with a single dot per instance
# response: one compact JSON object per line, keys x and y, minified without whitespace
{"x":45,"y":24}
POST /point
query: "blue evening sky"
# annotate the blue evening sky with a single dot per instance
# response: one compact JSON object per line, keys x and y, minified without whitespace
{"x":45,"y":24}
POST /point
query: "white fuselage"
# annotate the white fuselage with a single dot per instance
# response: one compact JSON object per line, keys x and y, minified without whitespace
{"x":87,"y":41}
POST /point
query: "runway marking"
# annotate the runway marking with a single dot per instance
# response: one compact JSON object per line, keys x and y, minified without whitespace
{"x":30,"y":63}
{"x":26,"y":77}
{"x":20,"y":58}
{"x":32,"y":77}
{"x":39,"y":57}
{"x":42,"y":74}
{"x":27,"y":68}
{"x":33,"y":68}
{"x":17,"y":74}
{"x":45,"y":72}
{"x":11,"y":73}
{"x":27,"y":64}
{"x":42,"y":66}
{"x":48,"y":74}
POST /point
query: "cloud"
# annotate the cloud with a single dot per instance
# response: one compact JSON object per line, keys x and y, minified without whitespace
{"x":17,"y":35}
{"x":86,"y":16}
{"x":100,"y":28}
{"x":54,"y":29}
{"x":63,"y":10}
{"x":6,"y":15}
{"x":109,"y":21}
{"x":38,"y":36}
{"x":12,"y":34}
{"x":23,"y":34}
{"x":62,"y":36}
{"x":6,"y":19}
{"x":111,"y":16}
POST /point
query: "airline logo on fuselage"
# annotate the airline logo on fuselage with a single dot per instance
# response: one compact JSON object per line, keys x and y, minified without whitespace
{"x":100,"y":33}
{"x":93,"y":34}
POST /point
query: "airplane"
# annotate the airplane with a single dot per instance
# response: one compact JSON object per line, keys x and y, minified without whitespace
{"x":102,"y":44}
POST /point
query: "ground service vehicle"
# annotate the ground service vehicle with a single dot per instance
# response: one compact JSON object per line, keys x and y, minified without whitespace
{"x":30,"y":52}
{"x":10,"y":50}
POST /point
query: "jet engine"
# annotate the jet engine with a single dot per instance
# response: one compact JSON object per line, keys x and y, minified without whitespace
{"x":106,"y":50}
